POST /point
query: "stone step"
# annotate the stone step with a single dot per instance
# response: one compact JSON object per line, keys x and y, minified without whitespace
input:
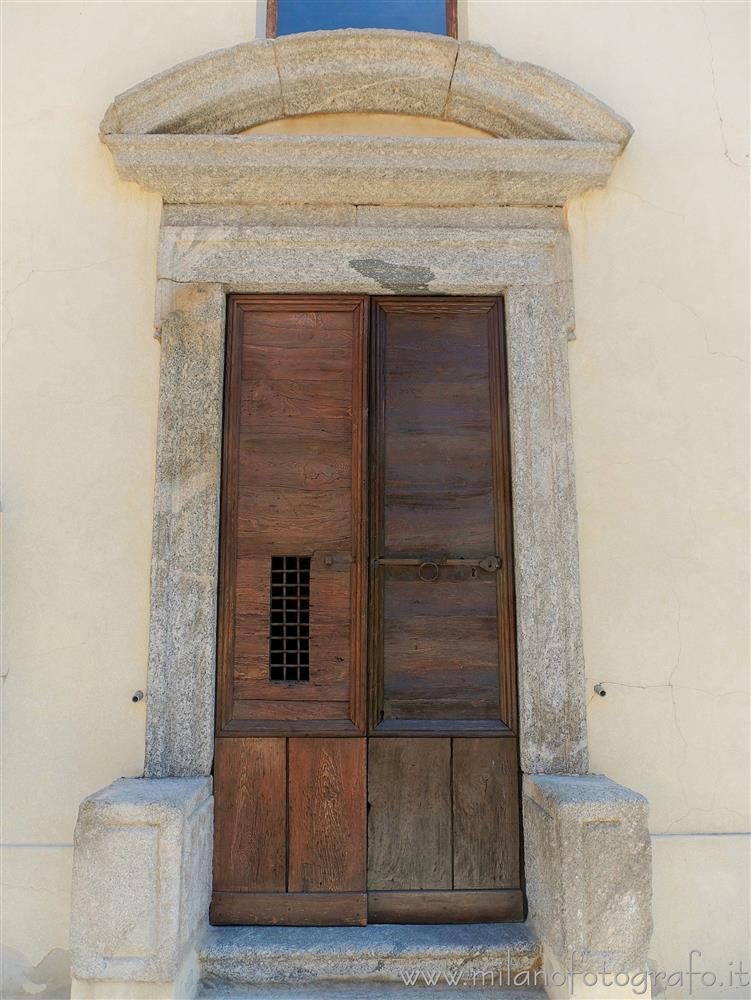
{"x":425,"y":955}
{"x":371,"y":991}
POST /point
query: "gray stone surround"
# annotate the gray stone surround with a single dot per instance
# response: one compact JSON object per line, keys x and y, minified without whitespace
{"x":341,"y":214}
{"x":529,"y":264}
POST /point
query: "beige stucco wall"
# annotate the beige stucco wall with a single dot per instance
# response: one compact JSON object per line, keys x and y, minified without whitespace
{"x":660,"y":398}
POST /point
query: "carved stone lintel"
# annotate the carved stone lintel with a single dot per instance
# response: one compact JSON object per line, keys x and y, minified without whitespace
{"x":210,"y":169}
{"x":363,"y":259}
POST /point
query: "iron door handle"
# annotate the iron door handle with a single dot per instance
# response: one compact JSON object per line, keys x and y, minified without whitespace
{"x":428,"y":571}
{"x":425,"y":570}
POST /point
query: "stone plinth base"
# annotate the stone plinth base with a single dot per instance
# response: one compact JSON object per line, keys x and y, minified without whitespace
{"x":589,"y":883}
{"x":141,"y":888}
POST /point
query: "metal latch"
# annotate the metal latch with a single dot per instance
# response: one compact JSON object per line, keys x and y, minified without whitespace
{"x":490,"y":564}
{"x":428,"y":569}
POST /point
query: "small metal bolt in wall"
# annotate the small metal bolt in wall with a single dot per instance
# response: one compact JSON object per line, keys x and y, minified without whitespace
{"x":138,"y":696}
{"x":599,"y":689}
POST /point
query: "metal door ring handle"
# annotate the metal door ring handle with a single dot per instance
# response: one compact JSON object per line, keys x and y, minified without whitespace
{"x":428,"y":572}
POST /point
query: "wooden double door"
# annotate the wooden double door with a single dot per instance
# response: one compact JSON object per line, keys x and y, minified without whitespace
{"x":366,"y":751}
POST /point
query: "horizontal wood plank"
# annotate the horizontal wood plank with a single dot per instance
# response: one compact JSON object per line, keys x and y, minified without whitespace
{"x":450,"y":907}
{"x":291,"y":711}
{"x":283,"y":408}
{"x":237,"y":728}
{"x":293,"y":522}
{"x":440,"y":649}
{"x":443,"y":727}
{"x":291,"y":909}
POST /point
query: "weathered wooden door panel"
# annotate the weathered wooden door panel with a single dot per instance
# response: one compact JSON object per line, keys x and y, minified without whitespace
{"x":443,"y":819}
{"x":441,"y":628}
{"x":250,"y":853}
{"x":485,"y":804}
{"x":437,"y":478}
{"x":431,"y":833}
{"x":326,"y":815}
{"x":409,"y":821}
{"x":293,"y":559}
{"x":290,"y":799}
{"x":440,"y":645}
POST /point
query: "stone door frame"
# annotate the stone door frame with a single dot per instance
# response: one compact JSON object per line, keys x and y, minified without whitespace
{"x":529,"y":266}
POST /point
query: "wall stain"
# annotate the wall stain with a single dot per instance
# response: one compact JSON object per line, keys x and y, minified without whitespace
{"x":400,"y":278}
{"x":48,"y":980}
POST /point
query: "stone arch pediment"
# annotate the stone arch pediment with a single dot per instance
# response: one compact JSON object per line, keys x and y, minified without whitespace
{"x":353,"y":70}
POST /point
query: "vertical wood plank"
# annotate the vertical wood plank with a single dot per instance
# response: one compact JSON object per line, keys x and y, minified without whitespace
{"x":485,"y":785}
{"x":250,"y":815}
{"x":409,"y":819}
{"x":225,"y":647}
{"x":326,"y":815}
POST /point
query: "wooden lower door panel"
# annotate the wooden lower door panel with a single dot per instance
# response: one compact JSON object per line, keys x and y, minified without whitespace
{"x":289,"y":831}
{"x":443,"y":830}
{"x":250,"y":822}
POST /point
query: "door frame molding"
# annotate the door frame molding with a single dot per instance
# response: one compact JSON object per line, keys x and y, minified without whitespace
{"x":526,"y":260}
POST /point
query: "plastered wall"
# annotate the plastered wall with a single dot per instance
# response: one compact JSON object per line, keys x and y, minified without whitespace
{"x":660,"y":408}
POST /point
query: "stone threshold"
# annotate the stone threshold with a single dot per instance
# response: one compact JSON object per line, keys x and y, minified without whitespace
{"x":372,"y":991}
{"x":356,"y":956}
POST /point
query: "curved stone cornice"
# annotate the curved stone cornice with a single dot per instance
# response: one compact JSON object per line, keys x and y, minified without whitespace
{"x":547,"y":140}
{"x":354,"y":70}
